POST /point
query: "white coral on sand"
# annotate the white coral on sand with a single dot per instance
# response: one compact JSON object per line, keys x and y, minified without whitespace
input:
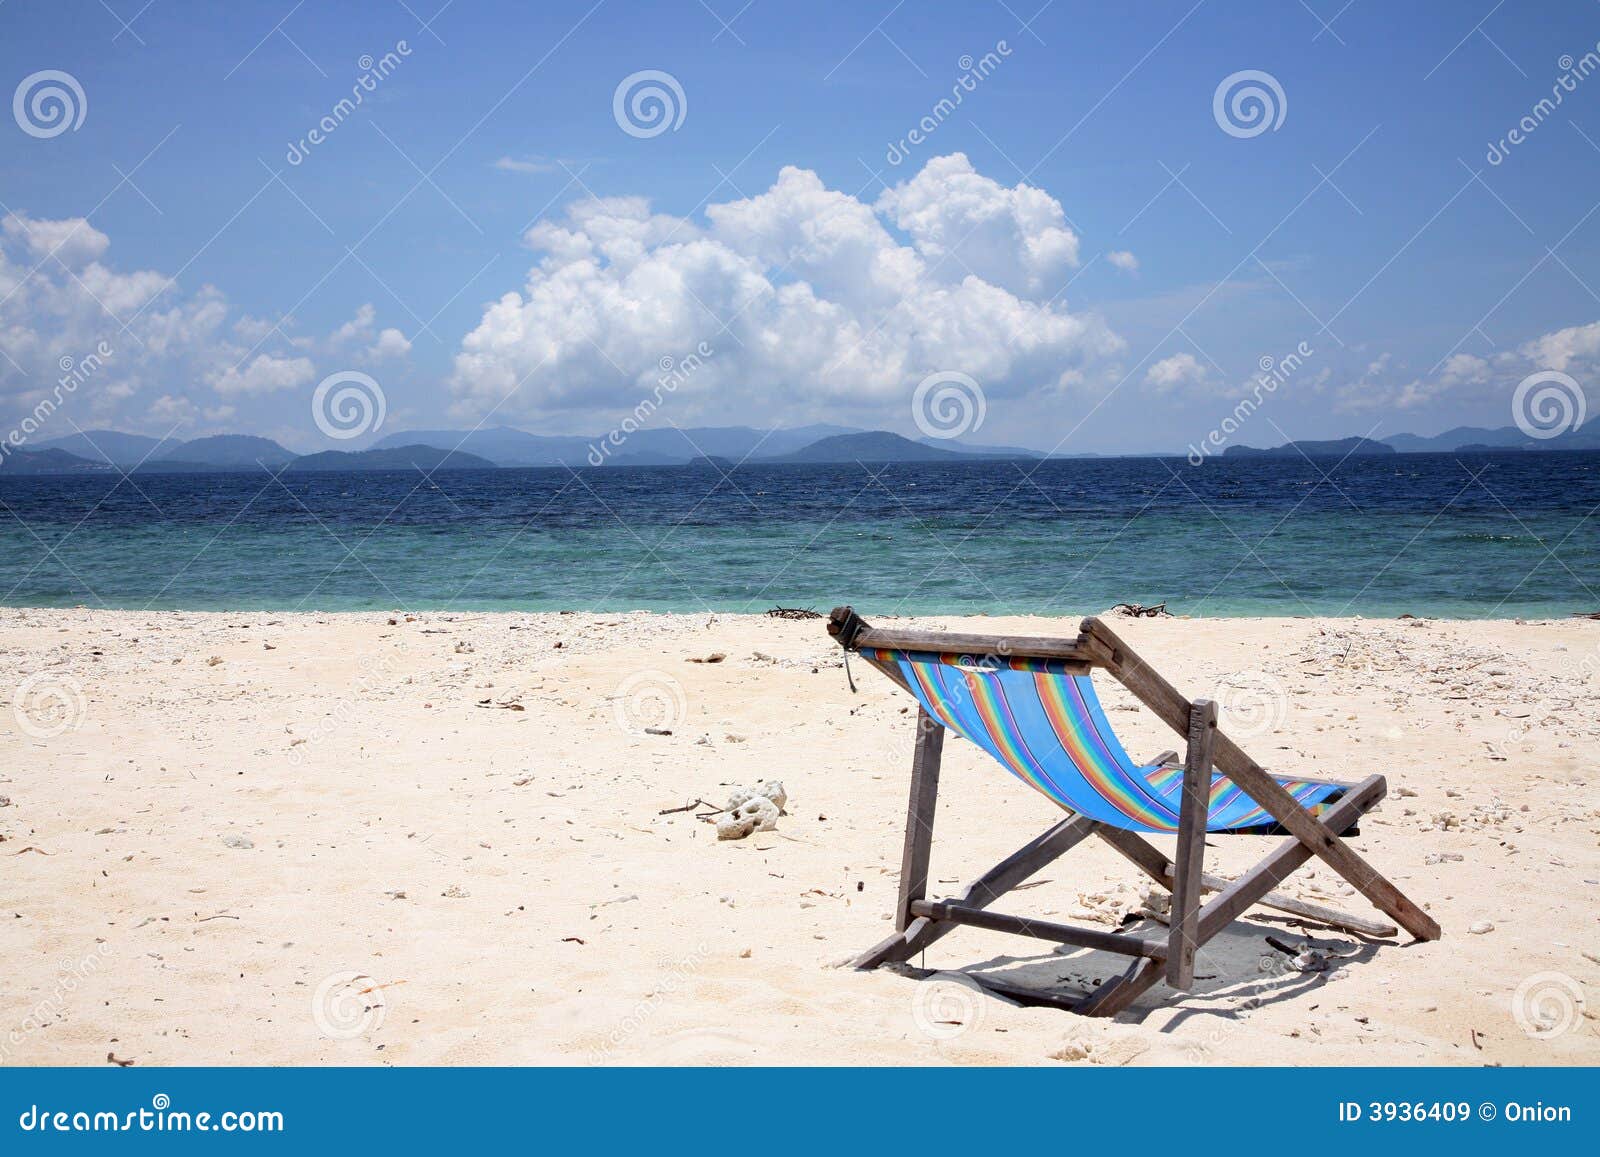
{"x":752,"y":809}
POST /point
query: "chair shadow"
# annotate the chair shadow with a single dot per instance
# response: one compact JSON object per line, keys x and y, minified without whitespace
{"x":1237,"y":972}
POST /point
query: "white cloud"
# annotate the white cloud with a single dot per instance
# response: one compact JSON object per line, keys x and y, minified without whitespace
{"x":1468,"y":378}
{"x":1178,"y":370}
{"x":170,"y":352}
{"x":1464,"y":369}
{"x":1123,"y":260}
{"x":72,"y":240}
{"x":264,"y":374}
{"x":1557,"y":351}
{"x":357,"y":328}
{"x":530,"y":164}
{"x":1016,"y":238}
{"x":391,"y":343}
{"x":807,"y":298}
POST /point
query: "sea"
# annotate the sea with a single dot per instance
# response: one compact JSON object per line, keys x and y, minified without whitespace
{"x":1451,"y":535}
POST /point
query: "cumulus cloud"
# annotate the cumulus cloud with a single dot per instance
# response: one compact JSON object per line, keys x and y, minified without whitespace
{"x":807,"y":297}
{"x":1123,"y":260}
{"x":1015,"y":238}
{"x":391,"y":343}
{"x":73,"y":240}
{"x":1178,"y":370}
{"x":1467,"y":378}
{"x":380,"y":345}
{"x":1559,"y":350}
{"x":264,"y":374}
{"x":159,"y":354}
{"x":1464,"y":369}
{"x":357,"y":328}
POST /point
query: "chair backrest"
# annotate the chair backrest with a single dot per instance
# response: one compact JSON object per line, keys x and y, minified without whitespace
{"x":1041,"y":719}
{"x":1043,"y":722}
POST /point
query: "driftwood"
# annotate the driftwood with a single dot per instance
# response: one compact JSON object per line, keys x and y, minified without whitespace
{"x":793,"y":613}
{"x":1139,"y":610}
{"x":1586,"y":614}
{"x":688,"y":807}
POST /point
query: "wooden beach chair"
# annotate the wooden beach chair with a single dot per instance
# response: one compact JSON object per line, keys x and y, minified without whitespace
{"x":1030,"y":703}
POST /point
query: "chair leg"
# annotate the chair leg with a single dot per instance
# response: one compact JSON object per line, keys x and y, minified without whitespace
{"x":1119,"y":992}
{"x":1189,"y":865}
{"x":1154,"y":863}
{"x":914,"y":858}
{"x":985,"y":890}
{"x":1165,"y":700}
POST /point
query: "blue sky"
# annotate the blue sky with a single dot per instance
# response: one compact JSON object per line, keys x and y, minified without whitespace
{"x":1368,"y":224}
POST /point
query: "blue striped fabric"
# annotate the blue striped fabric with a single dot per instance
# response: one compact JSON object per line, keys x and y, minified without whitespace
{"x":1048,"y":728}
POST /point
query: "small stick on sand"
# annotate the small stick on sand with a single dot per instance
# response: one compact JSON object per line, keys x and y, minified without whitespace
{"x":685,"y":808}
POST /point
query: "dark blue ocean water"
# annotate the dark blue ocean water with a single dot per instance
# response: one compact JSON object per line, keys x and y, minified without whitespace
{"x":1456,"y":535}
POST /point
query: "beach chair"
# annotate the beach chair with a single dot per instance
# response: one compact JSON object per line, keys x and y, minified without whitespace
{"x":1031,"y":704}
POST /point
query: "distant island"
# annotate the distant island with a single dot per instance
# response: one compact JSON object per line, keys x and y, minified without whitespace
{"x":872,"y":446}
{"x":1331,"y":448}
{"x":399,"y":458}
{"x":230,"y":453}
{"x":719,"y":447}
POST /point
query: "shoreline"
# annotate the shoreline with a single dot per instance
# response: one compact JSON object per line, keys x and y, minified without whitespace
{"x":923,"y":617}
{"x":462,"y":814}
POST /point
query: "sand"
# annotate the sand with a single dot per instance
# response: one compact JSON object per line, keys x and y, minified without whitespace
{"x":257,"y":838}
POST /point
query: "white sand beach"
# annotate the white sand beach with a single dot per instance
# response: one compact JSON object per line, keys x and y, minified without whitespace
{"x":258,"y":838}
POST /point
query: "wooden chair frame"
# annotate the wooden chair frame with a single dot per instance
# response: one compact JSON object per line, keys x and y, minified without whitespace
{"x":920,"y":921}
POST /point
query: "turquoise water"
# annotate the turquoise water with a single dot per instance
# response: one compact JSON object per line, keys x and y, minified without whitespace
{"x":1453,"y":535}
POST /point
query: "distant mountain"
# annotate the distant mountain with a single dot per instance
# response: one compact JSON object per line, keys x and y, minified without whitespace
{"x":985,"y":451}
{"x":1505,"y":436}
{"x":869,"y":446}
{"x":393,"y":458}
{"x":502,"y":445}
{"x":1480,"y":439}
{"x":180,"y":466}
{"x":53,"y":461}
{"x":111,"y":446}
{"x":630,"y":457}
{"x":711,"y":462}
{"x":229,"y":450}
{"x":1334,"y":448}
{"x":666,"y":446}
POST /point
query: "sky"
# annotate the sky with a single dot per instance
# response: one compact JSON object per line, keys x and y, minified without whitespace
{"x":1029,"y":223}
